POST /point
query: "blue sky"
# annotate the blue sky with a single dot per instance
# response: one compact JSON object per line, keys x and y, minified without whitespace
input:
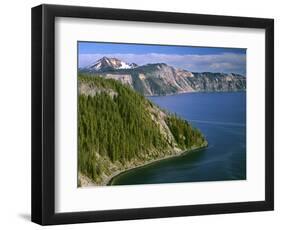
{"x":196,"y":59}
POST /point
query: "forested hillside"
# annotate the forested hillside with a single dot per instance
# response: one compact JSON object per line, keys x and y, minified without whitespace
{"x":119,"y":128}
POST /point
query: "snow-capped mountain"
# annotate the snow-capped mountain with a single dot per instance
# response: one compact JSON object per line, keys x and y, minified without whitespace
{"x":106,"y":64}
{"x":160,"y":79}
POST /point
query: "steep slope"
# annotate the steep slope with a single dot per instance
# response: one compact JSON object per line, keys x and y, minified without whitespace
{"x":119,"y":129}
{"x":107,"y":64}
{"x":162,"y":79}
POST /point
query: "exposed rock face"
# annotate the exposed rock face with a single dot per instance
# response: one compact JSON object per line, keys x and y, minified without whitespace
{"x":218,"y":82}
{"x":162,"y":79}
{"x":124,"y":78}
{"x":89,"y":89}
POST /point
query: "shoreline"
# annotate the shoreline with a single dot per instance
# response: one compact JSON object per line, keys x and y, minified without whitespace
{"x":191,"y":92}
{"x":109,"y":180}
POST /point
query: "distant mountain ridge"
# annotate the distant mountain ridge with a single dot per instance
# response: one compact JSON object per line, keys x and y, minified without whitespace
{"x":162,"y":79}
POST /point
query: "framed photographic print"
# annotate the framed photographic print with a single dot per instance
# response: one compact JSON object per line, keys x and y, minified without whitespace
{"x":142,"y":114}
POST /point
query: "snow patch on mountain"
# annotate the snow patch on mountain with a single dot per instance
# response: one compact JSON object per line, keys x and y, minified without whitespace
{"x":107,"y":63}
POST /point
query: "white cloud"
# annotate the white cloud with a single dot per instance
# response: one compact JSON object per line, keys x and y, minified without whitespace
{"x":225,"y":62}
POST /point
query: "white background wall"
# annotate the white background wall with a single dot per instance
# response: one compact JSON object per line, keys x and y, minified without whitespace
{"x":15,"y":114}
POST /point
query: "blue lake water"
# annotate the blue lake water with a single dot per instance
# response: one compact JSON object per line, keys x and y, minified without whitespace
{"x":222,"y":119}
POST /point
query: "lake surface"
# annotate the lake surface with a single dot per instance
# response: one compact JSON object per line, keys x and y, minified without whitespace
{"x":222,"y":119}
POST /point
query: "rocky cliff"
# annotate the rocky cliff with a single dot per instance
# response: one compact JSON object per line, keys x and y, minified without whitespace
{"x":162,"y":79}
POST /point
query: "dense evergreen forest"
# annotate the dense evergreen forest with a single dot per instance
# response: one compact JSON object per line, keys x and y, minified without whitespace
{"x":115,"y":125}
{"x":185,"y":135}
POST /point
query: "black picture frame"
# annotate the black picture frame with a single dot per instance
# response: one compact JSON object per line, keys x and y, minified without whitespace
{"x":43,"y":114}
